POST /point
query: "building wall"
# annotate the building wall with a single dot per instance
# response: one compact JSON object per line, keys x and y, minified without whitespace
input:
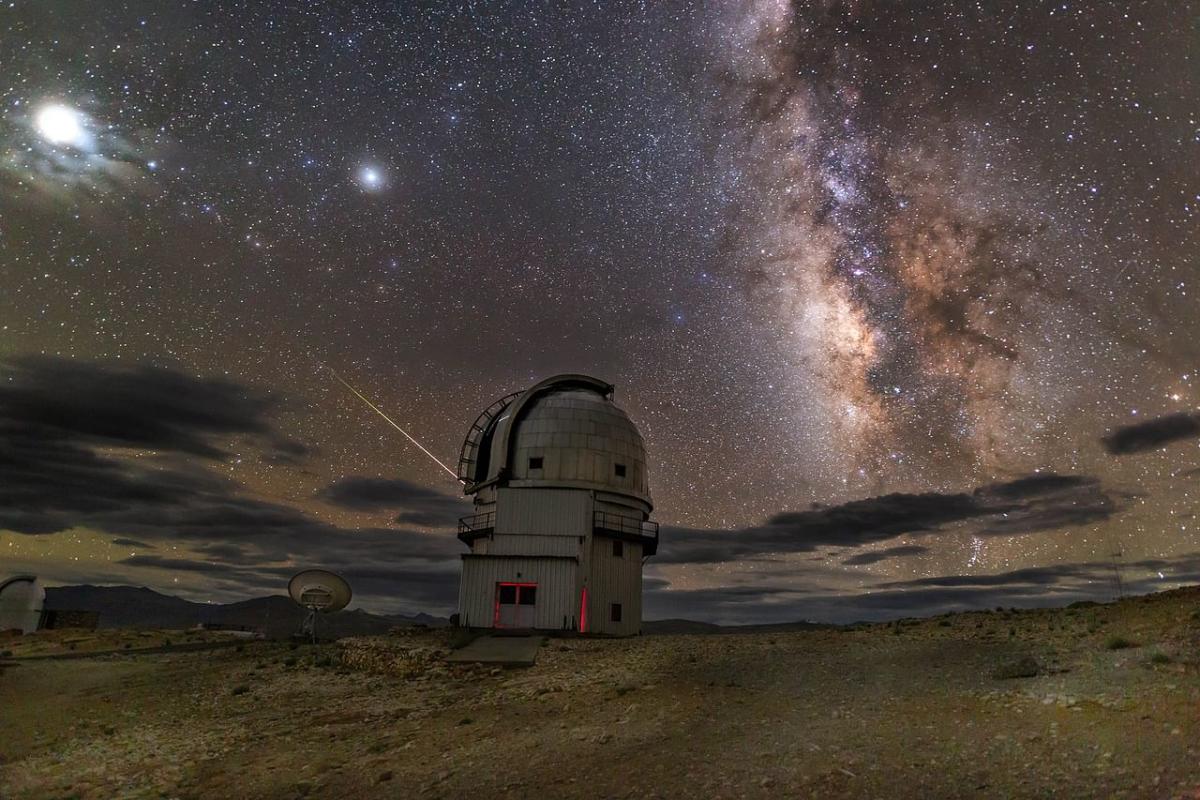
{"x":536,"y":529}
{"x":557,"y":604}
{"x":619,"y":504}
{"x":501,"y":545}
{"x":544,"y":511}
{"x":612,"y":579}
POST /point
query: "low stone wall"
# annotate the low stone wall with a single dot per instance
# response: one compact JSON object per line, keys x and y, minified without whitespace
{"x":406,"y":656}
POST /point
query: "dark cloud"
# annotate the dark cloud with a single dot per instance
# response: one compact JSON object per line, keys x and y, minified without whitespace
{"x":883,"y":555}
{"x":1033,"y":503}
{"x":780,"y":603}
{"x":132,"y":543}
{"x":1051,"y":502}
{"x":114,"y":404}
{"x":1040,"y":576}
{"x":1137,"y":576}
{"x":1152,"y":434}
{"x":1058,"y":584}
{"x":418,"y":505}
{"x":175,"y":564}
{"x":1037,"y":485}
{"x":62,"y":467}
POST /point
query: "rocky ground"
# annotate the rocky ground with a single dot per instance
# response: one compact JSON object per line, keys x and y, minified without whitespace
{"x":944,"y":707}
{"x":78,"y":642}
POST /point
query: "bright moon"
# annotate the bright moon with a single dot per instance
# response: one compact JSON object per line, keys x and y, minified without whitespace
{"x":61,"y":125}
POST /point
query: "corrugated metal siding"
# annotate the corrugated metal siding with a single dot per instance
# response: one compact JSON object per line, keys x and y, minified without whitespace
{"x":525,"y":545}
{"x":544,"y":511}
{"x":613,"y":579}
{"x":617,"y":504}
{"x":557,"y":606}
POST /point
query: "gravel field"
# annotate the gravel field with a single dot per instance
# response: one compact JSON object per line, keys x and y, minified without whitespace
{"x":943,"y":707}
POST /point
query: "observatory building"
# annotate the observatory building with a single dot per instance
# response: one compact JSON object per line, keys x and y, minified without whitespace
{"x":562,"y":506}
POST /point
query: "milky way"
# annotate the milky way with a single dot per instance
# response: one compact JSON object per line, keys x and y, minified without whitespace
{"x":826,"y":251}
{"x":915,"y":251}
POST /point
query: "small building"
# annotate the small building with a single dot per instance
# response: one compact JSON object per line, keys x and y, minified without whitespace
{"x":561,"y":525}
{"x":22,"y":601}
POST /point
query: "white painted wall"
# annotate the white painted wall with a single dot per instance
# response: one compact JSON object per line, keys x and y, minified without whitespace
{"x":557,"y":605}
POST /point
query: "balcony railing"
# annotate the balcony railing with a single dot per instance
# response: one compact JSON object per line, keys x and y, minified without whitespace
{"x":626,"y":526}
{"x":621,"y":526}
{"x":476,"y":525}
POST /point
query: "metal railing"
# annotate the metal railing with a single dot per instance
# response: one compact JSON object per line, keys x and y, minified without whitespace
{"x":477,"y":524}
{"x":622,"y":525}
{"x":625,"y":524}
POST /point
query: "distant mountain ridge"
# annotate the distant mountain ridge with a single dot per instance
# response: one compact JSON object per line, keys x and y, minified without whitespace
{"x":652,"y":627}
{"x":275,"y":615}
{"x":278,"y":617}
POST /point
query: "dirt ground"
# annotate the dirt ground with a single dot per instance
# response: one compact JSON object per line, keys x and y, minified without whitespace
{"x":900,"y":710}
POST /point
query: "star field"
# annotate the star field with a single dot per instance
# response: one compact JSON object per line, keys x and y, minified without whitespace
{"x":826,"y":251}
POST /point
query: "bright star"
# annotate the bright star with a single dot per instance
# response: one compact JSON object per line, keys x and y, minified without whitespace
{"x":370,"y":178}
{"x":61,"y":125}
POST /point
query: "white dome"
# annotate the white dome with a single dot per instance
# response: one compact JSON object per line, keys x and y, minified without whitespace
{"x":21,"y":602}
{"x":567,"y":432}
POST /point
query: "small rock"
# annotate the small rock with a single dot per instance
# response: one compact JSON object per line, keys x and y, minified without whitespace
{"x":1026,"y":667}
{"x":384,"y":776}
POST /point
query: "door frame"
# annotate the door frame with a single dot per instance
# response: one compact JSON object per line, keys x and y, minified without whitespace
{"x":496,"y":609}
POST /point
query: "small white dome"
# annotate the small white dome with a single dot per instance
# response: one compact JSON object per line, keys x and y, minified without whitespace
{"x":21,"y":601}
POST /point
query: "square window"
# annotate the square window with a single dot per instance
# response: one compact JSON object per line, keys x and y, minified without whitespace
{"x":528,"y":596}
{"x":619,"y":469}
{"x":508,"y":595}
{"x":535,"y":462}
{"x":616,"y":612}
{"x":618,"y":549}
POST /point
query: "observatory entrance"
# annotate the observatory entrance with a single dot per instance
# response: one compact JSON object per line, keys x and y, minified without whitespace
{"x":515,"y":603}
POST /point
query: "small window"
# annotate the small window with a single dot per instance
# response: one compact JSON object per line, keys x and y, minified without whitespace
{"x":535,"y":462}
{"x":619,"y":469}
{"x":616,"y":612}
{"x":508,"y":595}
{"x":618,"y":549}
{"x":528,"y":596}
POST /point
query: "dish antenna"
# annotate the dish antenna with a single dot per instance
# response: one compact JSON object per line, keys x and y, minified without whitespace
{"x":321,"y":592}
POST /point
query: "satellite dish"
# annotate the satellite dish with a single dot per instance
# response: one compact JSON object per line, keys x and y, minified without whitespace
{"x":321,"y":592}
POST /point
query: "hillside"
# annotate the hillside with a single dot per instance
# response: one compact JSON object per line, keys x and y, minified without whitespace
{"x":276,"y":615}
{"x":1091,"y":701}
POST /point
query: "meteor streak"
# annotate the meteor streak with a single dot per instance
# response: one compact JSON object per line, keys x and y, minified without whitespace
{"x":378,"y":411}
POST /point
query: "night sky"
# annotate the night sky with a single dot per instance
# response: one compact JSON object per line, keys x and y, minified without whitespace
{"x":899,"y":294}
